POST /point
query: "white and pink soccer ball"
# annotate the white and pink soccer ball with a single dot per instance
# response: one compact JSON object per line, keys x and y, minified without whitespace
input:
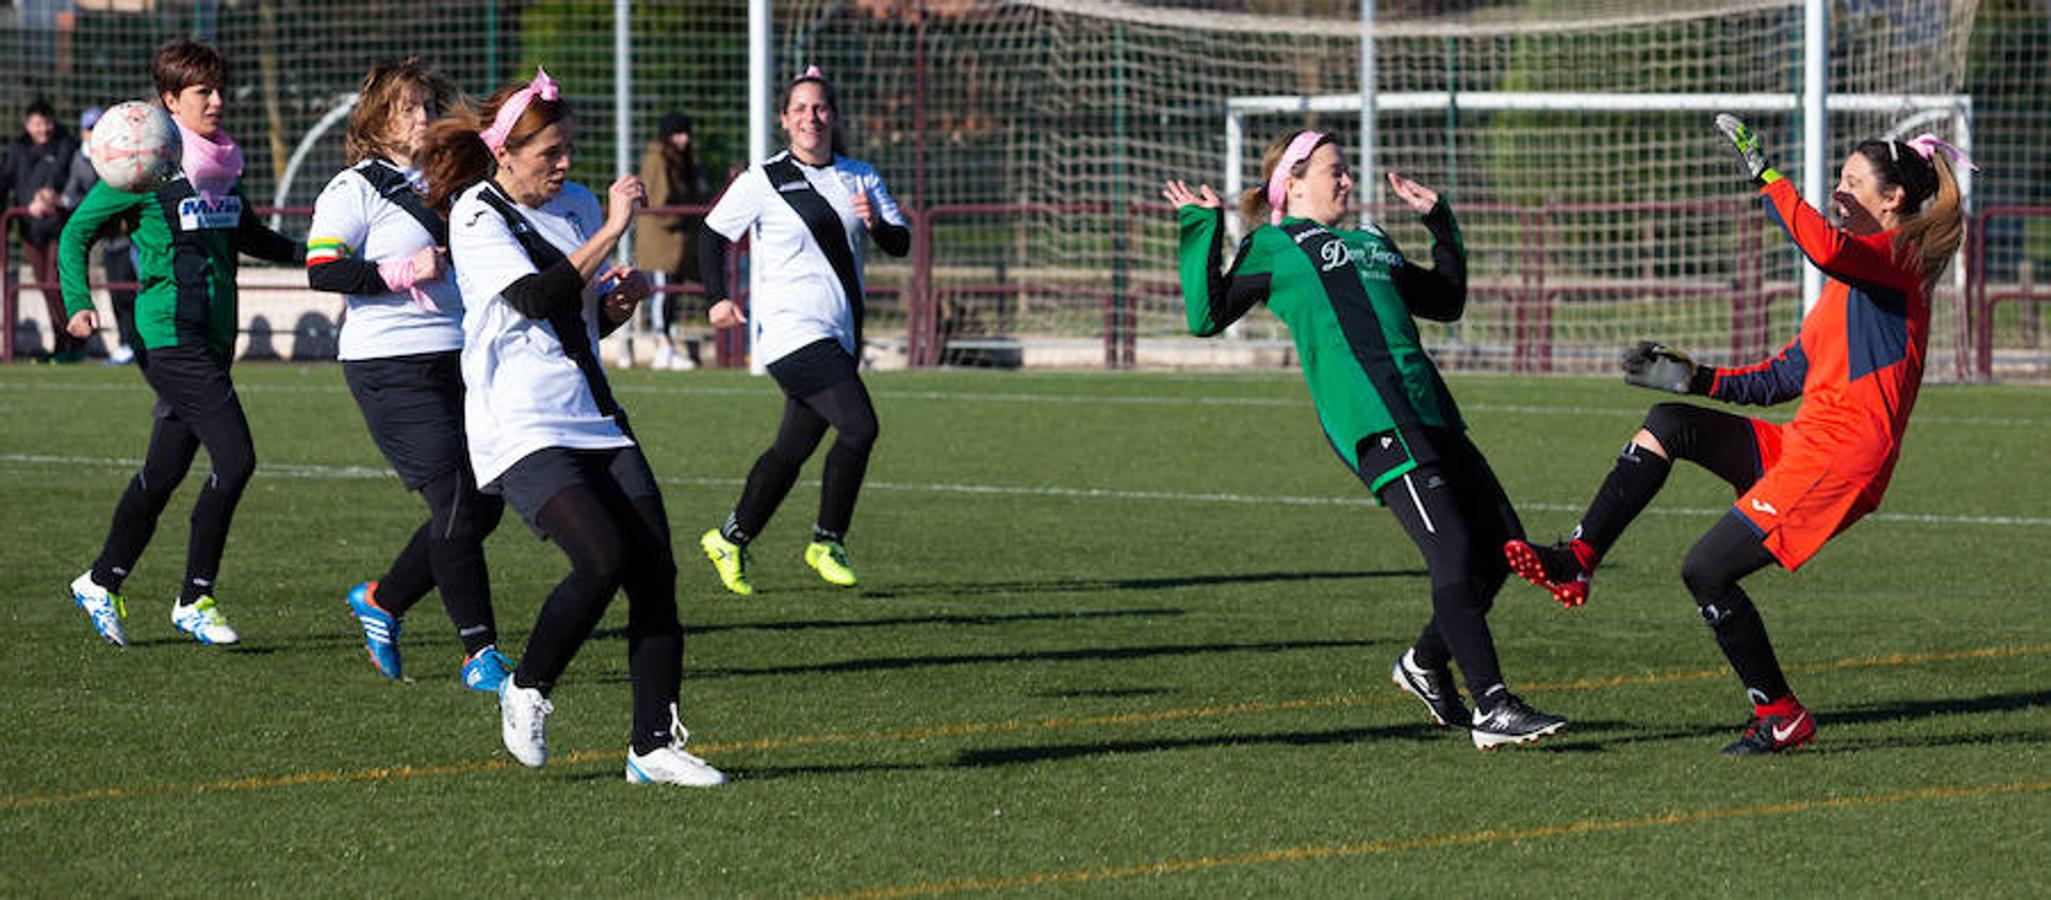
{"x":136,"y":147}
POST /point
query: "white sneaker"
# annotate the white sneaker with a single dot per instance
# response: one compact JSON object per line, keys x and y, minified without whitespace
{"x":102,"y":607}
{"x":523,"y":722}
{"x":665,"y":356}
{"x":203,"y":620}
{"x":669,"y":764}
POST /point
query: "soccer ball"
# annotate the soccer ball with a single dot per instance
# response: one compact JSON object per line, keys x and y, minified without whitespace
{"x":136,"y":147}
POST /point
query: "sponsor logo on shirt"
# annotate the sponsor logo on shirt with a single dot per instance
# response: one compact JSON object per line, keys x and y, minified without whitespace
{"x":196,"y":214}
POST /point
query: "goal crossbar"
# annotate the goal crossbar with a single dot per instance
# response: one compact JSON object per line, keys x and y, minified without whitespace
{"x":1917,"y":107}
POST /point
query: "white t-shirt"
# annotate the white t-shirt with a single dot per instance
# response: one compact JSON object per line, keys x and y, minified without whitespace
{"x":800,"y":299}
{"x":350,"y":221}
{"x":523,"y":392}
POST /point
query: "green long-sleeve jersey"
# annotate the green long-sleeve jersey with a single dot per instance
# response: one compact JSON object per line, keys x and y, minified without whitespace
{"x":1348,"y":298}
{"x":186,"y":260}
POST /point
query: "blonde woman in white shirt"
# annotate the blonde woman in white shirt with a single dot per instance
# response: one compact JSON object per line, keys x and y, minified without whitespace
{"x":544,"y":430}
{"x":804,"y":212}
{"x":374,"y":241}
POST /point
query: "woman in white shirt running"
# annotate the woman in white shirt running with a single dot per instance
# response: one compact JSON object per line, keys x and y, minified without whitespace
{"x":544,"y":430}
{"x":374,"y":241}
{"x":804,"y":211}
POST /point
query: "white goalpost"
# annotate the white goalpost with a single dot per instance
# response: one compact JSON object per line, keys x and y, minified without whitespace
{"x":1912,"y":111}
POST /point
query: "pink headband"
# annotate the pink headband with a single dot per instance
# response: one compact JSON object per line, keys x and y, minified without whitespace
{"x":1926,"y":143}
{"x":810,"y":72}
{"x":1278,"y":182}
{"x":502,"y":124}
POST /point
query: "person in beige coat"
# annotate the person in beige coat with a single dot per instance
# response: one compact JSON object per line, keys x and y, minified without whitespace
{"x":664,"y":244}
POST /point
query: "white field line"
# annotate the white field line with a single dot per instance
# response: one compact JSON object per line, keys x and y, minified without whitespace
{"x":317,"y":471}
{"x":768,"y":390}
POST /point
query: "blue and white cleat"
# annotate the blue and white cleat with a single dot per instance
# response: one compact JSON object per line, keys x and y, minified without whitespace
{"x":380,"y":629}
{"x":104,"y":608}
{"x":670,"y":763}
{"x":203,"y":620}
{"x":486,"y":669}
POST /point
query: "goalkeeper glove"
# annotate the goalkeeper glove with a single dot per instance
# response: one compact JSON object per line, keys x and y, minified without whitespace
{"x":1746,"y":141}
{"x":1655,"y":365}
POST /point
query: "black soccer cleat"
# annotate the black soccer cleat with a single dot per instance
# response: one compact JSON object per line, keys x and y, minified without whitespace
{"x":1512,"y":721}
{"x":1433,"y":686}
{"x":1770,"y":734}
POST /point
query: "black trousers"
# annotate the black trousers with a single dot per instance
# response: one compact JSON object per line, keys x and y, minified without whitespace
{"x":414,"y":407}
{"x":822,"y":389}
{"x":603,"y":508}
{"x":1456,"y":512}
{"x":196,"y":407}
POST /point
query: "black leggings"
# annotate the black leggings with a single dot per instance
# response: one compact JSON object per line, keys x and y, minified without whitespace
{"x":1455,"y":510}
{"x":447,"y":552}
{"x":613,"y":541}
{"x":196,"y":407}
{"x":1726,"y":445}
{"x":845,"y":406}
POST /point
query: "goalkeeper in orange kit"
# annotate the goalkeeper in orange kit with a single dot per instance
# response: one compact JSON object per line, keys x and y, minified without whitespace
{"x":1855,"y":366}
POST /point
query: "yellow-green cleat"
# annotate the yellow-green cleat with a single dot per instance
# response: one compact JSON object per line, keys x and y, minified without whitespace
{"x":730,"y":560}
{"x":829,"y":559}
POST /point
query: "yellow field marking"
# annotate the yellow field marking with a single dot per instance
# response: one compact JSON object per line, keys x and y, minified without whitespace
{"x":1009,"y":726}
{"x":1432,"y":842}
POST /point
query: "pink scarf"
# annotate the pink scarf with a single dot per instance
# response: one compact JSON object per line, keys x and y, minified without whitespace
{"x":211,"y":164}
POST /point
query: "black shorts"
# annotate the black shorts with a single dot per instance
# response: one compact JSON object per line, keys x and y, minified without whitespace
{"x":414,"y":407}
{"x":192,"y":384}
{"x":539,"y":476}
{"x":812,"y":368}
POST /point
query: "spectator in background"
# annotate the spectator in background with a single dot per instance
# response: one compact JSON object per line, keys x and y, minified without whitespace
{"x":663,"y":244}
{"x":36,"y":167}
{"x":117,"y":256}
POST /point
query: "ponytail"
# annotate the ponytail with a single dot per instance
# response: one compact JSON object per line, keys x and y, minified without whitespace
{"x":1253,"y":207}
{"x":454,"y":158}
{"x":1932,"y":221}
{"x":1931,"y":237}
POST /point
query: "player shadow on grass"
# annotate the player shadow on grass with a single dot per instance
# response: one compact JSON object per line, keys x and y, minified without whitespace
{"x":895,"y":621}
{"x":1579,"y":738}
{"x":1081,"y":585}
{"x":1086,"y":654}
{"x":268,"y":645}
{"x":996,"y":757}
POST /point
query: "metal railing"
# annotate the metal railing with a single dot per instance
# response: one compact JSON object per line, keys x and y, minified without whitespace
{"x":1530,"y":296}
{"x":1976,"y":314}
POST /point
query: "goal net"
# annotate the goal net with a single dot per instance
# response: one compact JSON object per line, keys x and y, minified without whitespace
{"x":1572,"y":137}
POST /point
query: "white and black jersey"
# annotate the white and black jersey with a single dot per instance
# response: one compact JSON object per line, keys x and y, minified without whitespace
{"x":801,"y":299}
{"x":359,"y":223}
{"x":527,"y":389}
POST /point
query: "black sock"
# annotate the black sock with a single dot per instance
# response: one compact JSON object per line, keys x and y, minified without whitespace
{"x":109,"y":576}
{"x":821,"y":535}
{"x":731,"y":530}
{"x":1741,"y":633}
{"x":1462,"y":621}
{"x":194,"y":589}
{"x":409,"y":577}
{"x":1486,"y":699}
{"x":1631,"y":485}
{"x":1729,"y":551}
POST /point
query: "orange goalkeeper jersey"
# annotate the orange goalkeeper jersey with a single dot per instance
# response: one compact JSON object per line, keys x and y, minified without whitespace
{"x":1856,"y":365}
